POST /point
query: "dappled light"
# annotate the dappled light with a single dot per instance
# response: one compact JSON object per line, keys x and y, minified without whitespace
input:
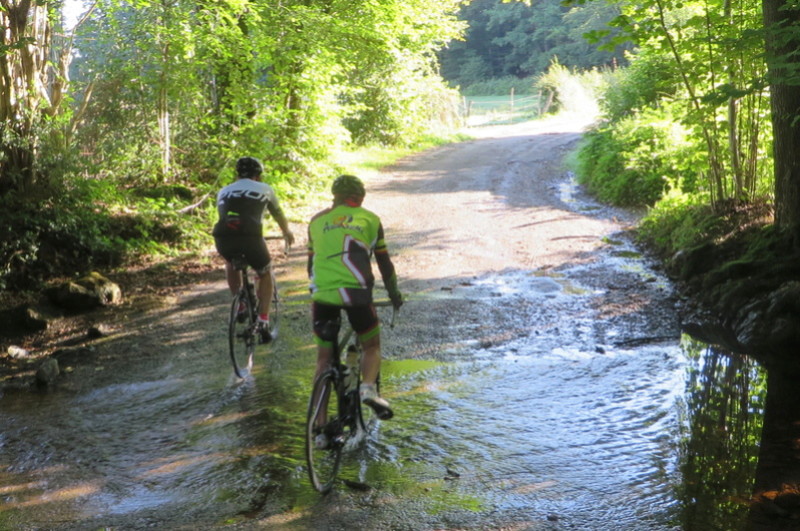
{"x":566,"y":190}
{"x":57,"y":496}
{"x":174,"y":466}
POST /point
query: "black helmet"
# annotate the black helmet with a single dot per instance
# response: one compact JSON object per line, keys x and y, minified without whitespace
{"x":348,"y":186}
{"x":248,"y":167}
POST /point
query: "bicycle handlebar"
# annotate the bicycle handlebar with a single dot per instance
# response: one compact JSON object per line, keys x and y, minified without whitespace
{"x":384,"y":304}
{"x":286,"y":247}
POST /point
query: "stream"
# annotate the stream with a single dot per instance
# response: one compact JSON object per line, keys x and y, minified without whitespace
{"x":507,"y":428}
{"x":540,"y":381}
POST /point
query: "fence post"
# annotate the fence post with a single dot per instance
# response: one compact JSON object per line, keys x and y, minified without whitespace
{"x":511,"y":115}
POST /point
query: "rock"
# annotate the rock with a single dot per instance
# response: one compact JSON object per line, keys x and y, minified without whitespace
{"x":27,"y":318}
{"x":17,"y":353}
{"x":688,"y":263}
{"x":98,"y":331}
{"x":770,"y":323}
{"x":108,"y":292}
{"x":35,"y":321}
{"x":72,"y":353}
{"x":48,"y":371}
{"x":40,"y":316}
{"x":87,"y":293}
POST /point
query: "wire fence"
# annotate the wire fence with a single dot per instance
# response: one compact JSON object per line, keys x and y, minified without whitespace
{"x":494,"y":110}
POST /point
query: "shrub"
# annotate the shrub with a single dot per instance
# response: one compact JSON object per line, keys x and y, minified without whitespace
{"x":641,"y":85}
{"x":635,"y":160}
{"x":88,"y":226}
{"x":571,"y":91}
{"x":678,"y":221}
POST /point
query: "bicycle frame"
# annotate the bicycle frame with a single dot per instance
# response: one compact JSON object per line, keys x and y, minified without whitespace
{"x":343,"y":425}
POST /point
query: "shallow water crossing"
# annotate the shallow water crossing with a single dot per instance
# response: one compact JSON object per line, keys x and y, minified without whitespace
{"x":536,"y":369}
{"x":535,"y":424}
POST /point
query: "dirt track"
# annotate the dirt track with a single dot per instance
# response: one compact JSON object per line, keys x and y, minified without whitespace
{"x":504,"y":265}
{"x":504,"y":205}
{"x":502,"y":202}
{"x":487,"y":205}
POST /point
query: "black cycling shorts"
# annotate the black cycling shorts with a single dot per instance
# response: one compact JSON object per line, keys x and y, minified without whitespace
{"x":363,"y":319}
{"x":253,"y":248}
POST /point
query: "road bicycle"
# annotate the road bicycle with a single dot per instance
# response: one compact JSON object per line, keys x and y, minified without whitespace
{"x":243,"y":332}
{"x":335,"y":408}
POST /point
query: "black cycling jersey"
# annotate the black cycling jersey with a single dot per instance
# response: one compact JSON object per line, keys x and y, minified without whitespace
{"x":242,"y":206}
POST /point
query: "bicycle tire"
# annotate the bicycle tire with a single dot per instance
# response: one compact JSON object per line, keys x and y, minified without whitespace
{"x":274,"y":313}
{"x":241,"y":335}
{"x":324,"y":417}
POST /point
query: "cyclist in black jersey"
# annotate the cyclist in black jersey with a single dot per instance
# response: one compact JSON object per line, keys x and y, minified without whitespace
{"x":241,"y":206}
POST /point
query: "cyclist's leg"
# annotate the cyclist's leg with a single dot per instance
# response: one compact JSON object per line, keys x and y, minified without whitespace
{"x":326,"y":322}
{"x":228,"y":247}
{"x":371,"y":360}
{"x":233,"y":277}
{"x":259,"y":259}
{"x":370,"y":368}
{"x":365,"y":323}
{"x":364,"y":320}
{"x":265,"y":287}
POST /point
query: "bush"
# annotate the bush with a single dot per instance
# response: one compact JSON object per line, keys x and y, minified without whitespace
{"x":728,"y":240}
{"x":397,"y":112}
{"x":87,"y":227}
{"x":569,"y":91}
{"x":678,"y":221}
{"x":635,"y":160}
{"x":647,"y":80}
{"x":68,"y":240}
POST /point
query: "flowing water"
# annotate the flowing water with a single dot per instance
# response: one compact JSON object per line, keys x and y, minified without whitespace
{"x":551,"y":428}
{"x":549,"y":399}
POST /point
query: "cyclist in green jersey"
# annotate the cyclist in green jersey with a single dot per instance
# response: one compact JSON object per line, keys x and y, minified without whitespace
{"x":341,"y":242}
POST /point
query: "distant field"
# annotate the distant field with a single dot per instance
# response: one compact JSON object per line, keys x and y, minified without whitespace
{"x":487,"y":110}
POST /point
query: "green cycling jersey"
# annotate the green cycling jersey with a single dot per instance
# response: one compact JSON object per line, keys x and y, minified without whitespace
{"x":341,"y":242}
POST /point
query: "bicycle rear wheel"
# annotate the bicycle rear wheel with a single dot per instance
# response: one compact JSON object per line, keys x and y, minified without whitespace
{"x":241,"y":334}
{"x":324,"y":420}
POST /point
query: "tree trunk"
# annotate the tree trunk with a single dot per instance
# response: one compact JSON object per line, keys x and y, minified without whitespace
{"x":163,"y":115}
{"x":773,"y":505}
{"x":32,"y":86}
{"x":780,"y":20}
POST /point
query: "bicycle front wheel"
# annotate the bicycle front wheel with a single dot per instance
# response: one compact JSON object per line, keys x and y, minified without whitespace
{"x":241,"y":334}
{"x":324,"y":433}
{"x":273,"y":310}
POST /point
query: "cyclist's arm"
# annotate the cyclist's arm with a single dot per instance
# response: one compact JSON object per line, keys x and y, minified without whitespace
{"x":310,"y":265}
{"x":277,"y":214}
{"x":387,"y":271}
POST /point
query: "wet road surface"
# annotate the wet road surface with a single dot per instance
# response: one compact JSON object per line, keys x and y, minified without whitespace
{"x":536,"y":373}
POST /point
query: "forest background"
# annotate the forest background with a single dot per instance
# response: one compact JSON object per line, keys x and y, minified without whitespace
{"x":118,"y":127}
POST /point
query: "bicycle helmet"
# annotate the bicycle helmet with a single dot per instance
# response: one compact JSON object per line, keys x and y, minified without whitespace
{"x":248,"y":167}
{"x":348,"y":186}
